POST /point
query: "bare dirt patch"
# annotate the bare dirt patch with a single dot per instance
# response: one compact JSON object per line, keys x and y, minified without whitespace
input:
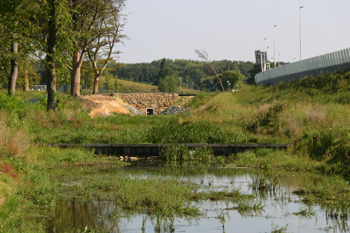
{"x":102,"y":105}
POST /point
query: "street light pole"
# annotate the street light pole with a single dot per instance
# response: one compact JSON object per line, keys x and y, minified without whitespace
{"x":264,"y":68}
{"x":300,"y":34}
{"x":180,"y":86}
{"x":274,"y":34}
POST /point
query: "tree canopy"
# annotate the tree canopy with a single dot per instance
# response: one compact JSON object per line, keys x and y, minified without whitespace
{"x":190,"y":71}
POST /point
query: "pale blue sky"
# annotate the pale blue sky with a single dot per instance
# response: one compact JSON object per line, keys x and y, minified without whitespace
{"x":233,"y":29}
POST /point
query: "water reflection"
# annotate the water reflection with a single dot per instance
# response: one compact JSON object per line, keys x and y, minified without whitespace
{"x":274,"y":208}
{"x":76,"y":216}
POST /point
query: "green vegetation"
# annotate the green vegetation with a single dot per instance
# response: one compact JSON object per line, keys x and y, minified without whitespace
{"x":311,"y":114}
{"x":190,"y":71}
{"x":134,"y":87}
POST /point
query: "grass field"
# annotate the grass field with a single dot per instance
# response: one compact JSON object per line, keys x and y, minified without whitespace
{"x":134,"y":87}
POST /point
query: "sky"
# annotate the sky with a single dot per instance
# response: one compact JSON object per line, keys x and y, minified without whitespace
{"x":233,"y":29}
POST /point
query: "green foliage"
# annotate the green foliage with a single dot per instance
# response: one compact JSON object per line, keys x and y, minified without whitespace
{"x":12,"y":104}
{"x":194,"y":71}
{"x":169,"y":84}
{"x":167,"y":78}
{"x":110,"y":82}
{"x":17,"y":106}
{"x":201,"y":132}
{"x":233,"y":77}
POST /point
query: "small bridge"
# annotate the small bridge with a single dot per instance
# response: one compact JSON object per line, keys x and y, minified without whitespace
{"x":145,"y":150}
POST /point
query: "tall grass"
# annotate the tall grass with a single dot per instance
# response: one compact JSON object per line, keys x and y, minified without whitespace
{"x":13,"y":140}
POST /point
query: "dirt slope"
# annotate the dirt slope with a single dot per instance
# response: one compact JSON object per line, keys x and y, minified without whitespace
{"x":102,"y":105}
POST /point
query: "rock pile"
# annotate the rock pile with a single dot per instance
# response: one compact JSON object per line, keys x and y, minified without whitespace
{"x":133,"y":110}
{"x":174,"y":110}
{"x":142,"y":101}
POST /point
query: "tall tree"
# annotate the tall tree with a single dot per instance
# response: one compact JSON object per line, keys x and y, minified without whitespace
{"x":165,"y":71}
{"x":15,"y":27}
{"x":58,"y":40}
{"x":111,"y":28}
{"x":88,"y":16}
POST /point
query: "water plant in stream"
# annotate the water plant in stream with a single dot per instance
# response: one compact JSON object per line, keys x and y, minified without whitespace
{"x":278,"y":229}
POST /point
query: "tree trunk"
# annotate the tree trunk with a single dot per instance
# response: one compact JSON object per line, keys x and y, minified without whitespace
{"x":51,"y":59}
{"x":72,"y":79}
{"x":96,"y":83}
{"x":26,"y":81}
{"x":96,"y":79}
{"x":14,"y":69}
{"x":75,"y":81}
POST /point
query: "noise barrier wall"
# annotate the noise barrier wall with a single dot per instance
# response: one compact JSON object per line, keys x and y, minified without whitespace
{"x":315,"y":66}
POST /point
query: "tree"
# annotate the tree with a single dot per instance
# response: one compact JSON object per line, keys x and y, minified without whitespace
{"x":90,"y":22}
{"x":110,"y":82}
{"x":256,"y":69}
{"x":27,"y":73}
{"x":234,"y":77}
{"x":58,"y":40}
{"x":164,"y":72}
{"x":169,"y":84}
{"x":105,"y":42}
{"x":15,"y":25}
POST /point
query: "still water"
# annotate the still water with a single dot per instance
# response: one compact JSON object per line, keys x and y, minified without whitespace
{"x":282,"y":211}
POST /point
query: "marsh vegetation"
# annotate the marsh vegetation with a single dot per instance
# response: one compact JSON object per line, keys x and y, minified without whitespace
{"x":40,"y":186}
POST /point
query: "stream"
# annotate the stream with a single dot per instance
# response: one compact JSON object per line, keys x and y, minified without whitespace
{"x":279,"y":209}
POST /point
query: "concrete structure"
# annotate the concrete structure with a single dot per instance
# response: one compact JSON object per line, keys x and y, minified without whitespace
{"x":143,"y":101}
{"x":311,"y":67}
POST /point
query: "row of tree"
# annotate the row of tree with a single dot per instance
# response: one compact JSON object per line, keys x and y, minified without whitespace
{"x":196,"y":74}
{"x":61,"y":34}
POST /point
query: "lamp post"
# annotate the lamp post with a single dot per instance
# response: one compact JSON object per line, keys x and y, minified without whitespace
{"x":274,"y":34}
{"x":180,"y":86}
{"x":228,"y":85}
{"x":264,"y":68}
{"x":300,"y":34}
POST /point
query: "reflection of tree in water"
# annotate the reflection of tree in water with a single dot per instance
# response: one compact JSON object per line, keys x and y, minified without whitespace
{"x":73,"y":216}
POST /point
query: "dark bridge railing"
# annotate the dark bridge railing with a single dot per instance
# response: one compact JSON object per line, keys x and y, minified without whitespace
{"x":155,"y":149}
